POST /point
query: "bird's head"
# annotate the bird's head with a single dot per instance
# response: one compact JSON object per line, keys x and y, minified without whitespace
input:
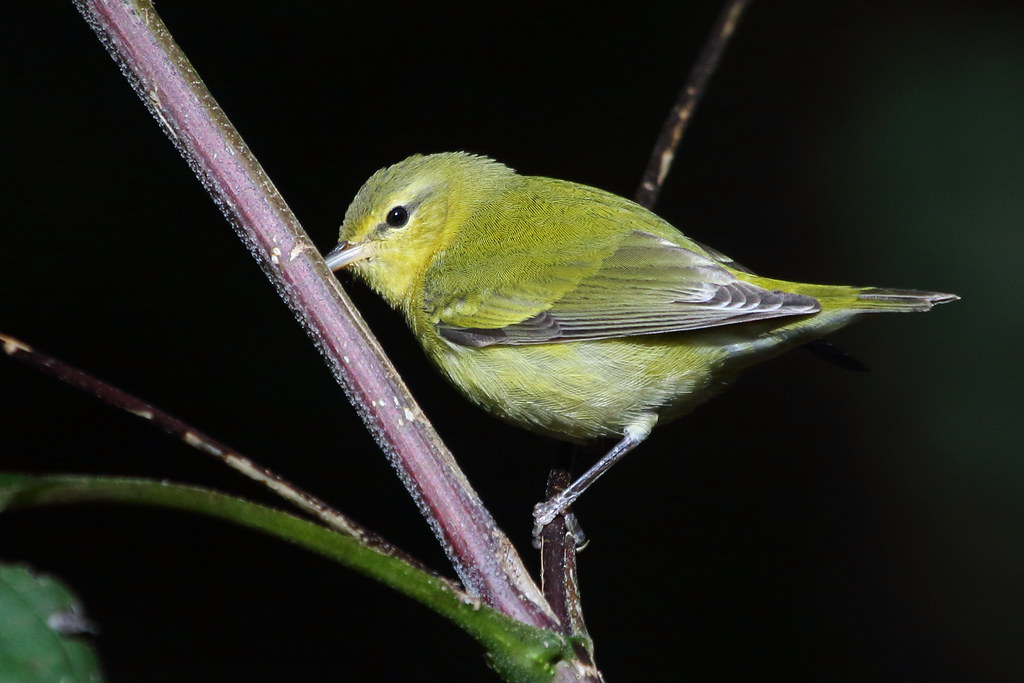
{"x":405,"y":214}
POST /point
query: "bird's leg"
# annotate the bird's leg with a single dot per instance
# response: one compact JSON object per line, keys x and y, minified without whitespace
{"x":544,"y":512}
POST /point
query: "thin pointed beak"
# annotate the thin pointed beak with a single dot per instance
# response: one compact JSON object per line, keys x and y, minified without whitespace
{"x":345,"y":254}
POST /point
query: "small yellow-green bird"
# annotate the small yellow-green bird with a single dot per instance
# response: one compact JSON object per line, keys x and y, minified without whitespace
{"x":571,"y":311}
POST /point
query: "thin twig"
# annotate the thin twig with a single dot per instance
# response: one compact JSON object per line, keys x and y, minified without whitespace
{"x":169,"y":424}
{"x":482,"y":555}
{"x":664,"y":152}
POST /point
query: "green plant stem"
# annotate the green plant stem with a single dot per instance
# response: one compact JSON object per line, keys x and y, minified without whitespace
{"x":519,"y":652}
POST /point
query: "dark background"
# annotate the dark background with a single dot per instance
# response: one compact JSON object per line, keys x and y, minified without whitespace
{"x":809,"y":525}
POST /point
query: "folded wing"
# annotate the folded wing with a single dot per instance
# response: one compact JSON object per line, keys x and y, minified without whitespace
{"x":647,"y":285}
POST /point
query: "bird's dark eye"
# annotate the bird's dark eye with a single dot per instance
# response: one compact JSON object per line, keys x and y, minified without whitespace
{"x":397,"y":217}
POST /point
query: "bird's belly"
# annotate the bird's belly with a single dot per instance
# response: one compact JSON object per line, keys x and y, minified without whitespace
{"x":585,"y":390}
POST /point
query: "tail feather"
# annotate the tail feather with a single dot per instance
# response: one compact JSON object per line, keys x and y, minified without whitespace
{"x":877,"y":299}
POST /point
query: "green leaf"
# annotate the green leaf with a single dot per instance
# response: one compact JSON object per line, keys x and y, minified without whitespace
{"x":517,"y":652}
{"x":39,"y":622}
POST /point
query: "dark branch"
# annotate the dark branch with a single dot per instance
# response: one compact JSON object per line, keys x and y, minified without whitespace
{"x":664,"y":152}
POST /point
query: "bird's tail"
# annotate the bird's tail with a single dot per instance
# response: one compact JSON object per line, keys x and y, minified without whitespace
{"x":880,"y":300}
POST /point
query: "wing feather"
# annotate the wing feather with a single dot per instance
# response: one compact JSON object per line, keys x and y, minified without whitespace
{"x":647,"y":285}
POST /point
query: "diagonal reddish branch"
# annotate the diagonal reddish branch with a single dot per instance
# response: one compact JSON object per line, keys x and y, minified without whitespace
{"x":160,"y":73}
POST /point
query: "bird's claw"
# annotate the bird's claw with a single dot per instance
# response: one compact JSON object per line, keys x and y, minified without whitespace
{"x":545,"y":513}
